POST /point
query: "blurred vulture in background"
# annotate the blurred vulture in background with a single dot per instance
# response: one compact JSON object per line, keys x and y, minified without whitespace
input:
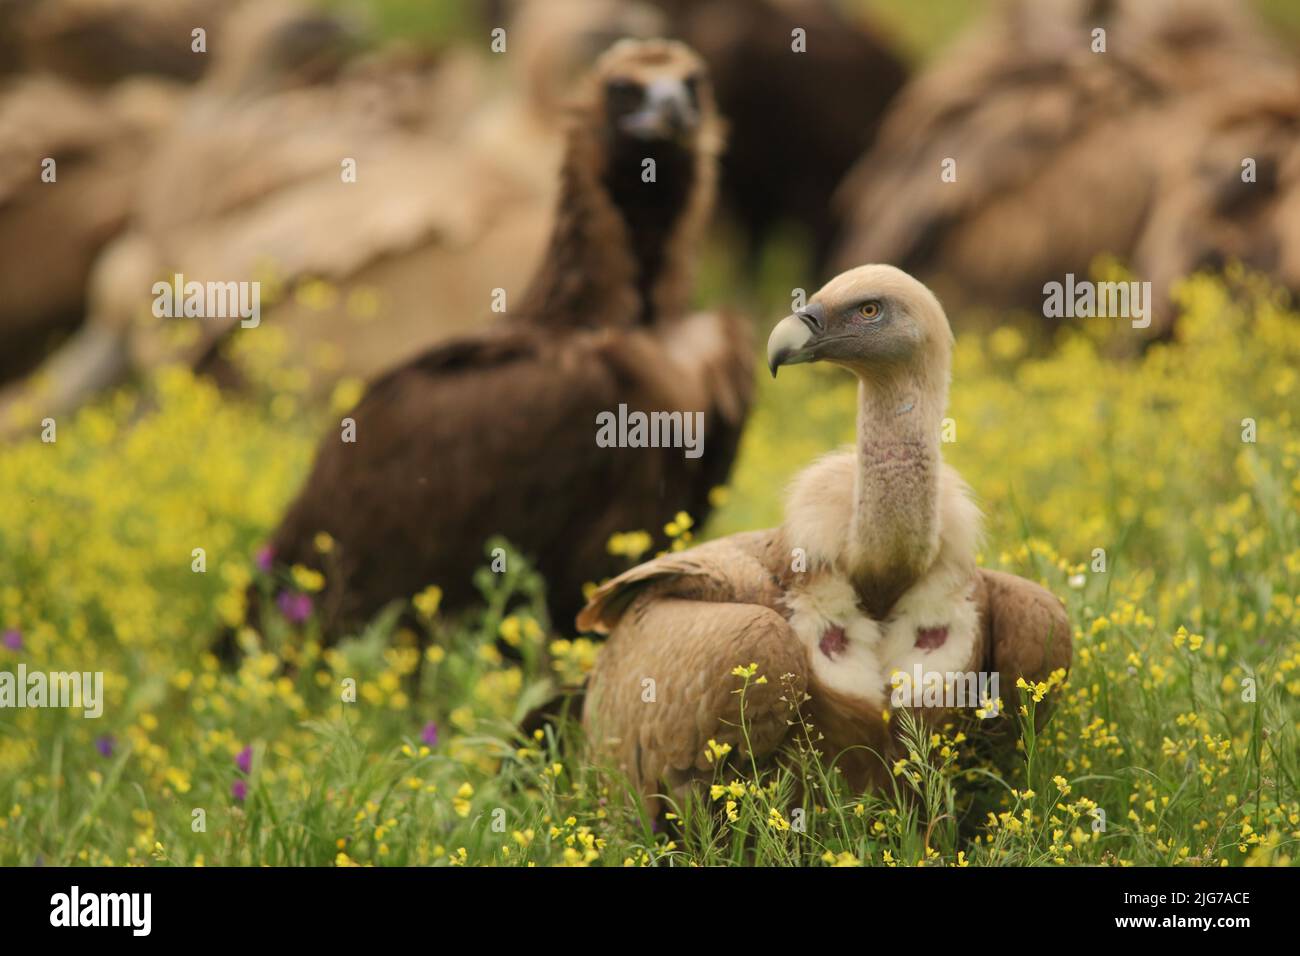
{"x":102,"y":41}
{"x":184,"y":179}
{"x":50,"y":232}
{"x":796,"y":121}
{"x":497,"y":433}
{"x":1052,"y":150}
{"x":1230,"y":192}
{"x":89,"y":84}
{"x":448,"y":204}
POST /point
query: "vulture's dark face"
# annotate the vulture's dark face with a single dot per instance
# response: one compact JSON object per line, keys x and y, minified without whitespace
{"x":870,"y":320}
{"x":654,"y":91}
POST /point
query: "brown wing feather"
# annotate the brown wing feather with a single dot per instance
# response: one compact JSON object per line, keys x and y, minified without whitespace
{"x":684,"y":621}
{"x":688,"y":648}
{"x":1029,"y":632}
{"x":730,"y":569}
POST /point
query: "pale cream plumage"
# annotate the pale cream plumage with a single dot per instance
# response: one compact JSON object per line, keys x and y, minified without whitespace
{"x":872,"y":572}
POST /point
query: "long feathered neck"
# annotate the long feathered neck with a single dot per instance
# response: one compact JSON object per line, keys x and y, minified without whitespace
{"x":621,"y":249}
{"x":894,"y":530}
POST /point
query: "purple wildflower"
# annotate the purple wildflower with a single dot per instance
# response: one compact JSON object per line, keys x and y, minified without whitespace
{"x":245,"y":759}
{"x":13,"y":639}
{"x":265,"y":556}
{"x":429,"y":735}
{"x":239,"y":790}
{"x":295,"y":606}
{"x":105,"y":745}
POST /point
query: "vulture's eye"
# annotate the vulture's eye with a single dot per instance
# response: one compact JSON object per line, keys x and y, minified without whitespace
{"x":622,"y":96}
{"x":869,"y":311}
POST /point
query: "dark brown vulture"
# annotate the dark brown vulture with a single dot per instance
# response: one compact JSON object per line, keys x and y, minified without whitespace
{"x":796,"y":121}
{"x":1052,"y":148}
{"x":497,"y":433}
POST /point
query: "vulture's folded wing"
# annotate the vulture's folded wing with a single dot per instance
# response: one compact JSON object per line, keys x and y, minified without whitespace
{"x":1029,"y":633}
{"x":731,"y":570}
{"x":664,"y":686}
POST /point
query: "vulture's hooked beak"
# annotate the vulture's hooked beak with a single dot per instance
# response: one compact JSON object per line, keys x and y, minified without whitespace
{"x":667,"y":112}
{"x":792,"y":340}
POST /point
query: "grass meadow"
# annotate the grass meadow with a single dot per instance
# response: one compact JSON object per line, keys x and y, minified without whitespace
{"x":1175,"y":740}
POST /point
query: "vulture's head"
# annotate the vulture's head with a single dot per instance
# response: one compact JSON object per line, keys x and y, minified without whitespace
{"x":876,"y":321}
{"x":654,"y":92}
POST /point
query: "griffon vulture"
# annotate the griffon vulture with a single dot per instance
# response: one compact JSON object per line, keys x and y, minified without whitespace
{"x":1025,"y":152}
{"x":497,"y":433}
{"x":873,"y":572}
